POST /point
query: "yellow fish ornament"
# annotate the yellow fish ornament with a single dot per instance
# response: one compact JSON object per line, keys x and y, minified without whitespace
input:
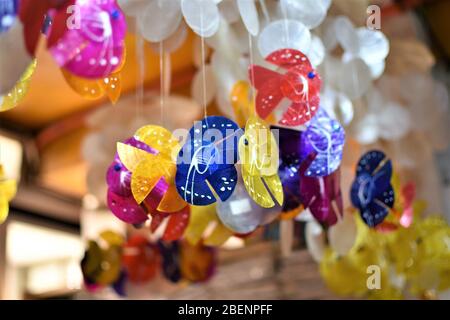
{"x":258,"y":152}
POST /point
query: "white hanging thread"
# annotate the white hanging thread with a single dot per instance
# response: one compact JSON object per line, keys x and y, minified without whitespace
{"x":250,"y":48}
{"x":203,"y":54}
{"x":140,"y":55}
{"x":264,"y":10}
{"x":161,"y":80}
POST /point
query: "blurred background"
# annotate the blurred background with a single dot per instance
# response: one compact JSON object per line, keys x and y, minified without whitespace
{"x":50,"y":143}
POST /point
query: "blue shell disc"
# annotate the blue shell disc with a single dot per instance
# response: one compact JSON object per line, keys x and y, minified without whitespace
{"x":326,"y":137}
{"x":207,"y":161}
{"x":372,"y":192}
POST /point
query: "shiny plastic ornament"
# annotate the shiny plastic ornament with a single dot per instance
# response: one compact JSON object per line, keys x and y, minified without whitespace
{"x":102,"y":266}
{"x":310,"y":12}
{"x":207,"y":161}
{"x":202,"y":16}
{"x":14,"y":58}
{"x":150,"y":171}
{"x":258,"y":152}
{"x":290,"y":161}
{"x":18,"y":93}
{"x":326,"y":137}
{"x":322,"y":196}
{"x":96,"y":89}
{"x":8,"y":12}
{"x":36,"y":14}
{"x":402,"y":214}
{"x":158,"y":20}
{"x":170,"y":254}
{"x":202,"y":219}
{"x":96,"y":48}
{"x":173,"y":42}
{"x":283,"y":34}
{"x":8,"y":190}
{"x":175,"y":225}
{"x":120,"y":199}
{"x":197,"y":263}
{"x":372,"y":192}
{"x":141,"y":259}
{"x":249,"y":14}
{"x":355,"y":78}
{"x":300,"y":85}
{"x":242,"y":215}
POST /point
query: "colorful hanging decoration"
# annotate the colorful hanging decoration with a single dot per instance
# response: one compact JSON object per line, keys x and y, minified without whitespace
{"x":94,"y":48}
{"x":326,"y":137}
{"x":170,"y":254}
{"x":111,"y":86}
{"x":8,"y":13}
{"x":16,"y":95}
{"x":123,"y":205}
{"x":288,"y":171}
{"x":101,"y":265}
{"x":258,"y":152}
{"x":413,"y":261}
{"x":120,"y":199}
{"x":372,"y":193}
{"x":243,"y":215}
{"x":141,"y":259}
{"x":197,"y":263}
{"x":112,"y":261}
{"x":176,"y":225}
{"x":201,"y":220}
{"x":300,"y":85}
{"x":402,"y":213}
{"x":34,"y":14}
{"x":153,"y":173}
{"x":8,"y":188}
{"x":207,"y":160}
{"x":322,"y":195}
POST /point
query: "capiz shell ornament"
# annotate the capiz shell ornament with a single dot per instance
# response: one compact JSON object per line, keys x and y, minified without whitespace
{"x":149,"y":170}
{"x":258,"y":152}
{"x":372,"y":192}
{"x":242,"y":215}
{"x":322,"y":196}
{"x":204,"y":225}
{"x":298,"y":87}
{"x":326,"y":137}
{"x":207,"y":161}
{"x":94,"y":48}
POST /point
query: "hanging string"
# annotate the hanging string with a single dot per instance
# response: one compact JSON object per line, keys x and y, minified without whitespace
{"x":161,"y":78}
{"x":203,"y":56}
{"x":264,"y":10}
{"x":140,"y":56}
{"x":285,"y":16}
{"x":250,"y":46}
